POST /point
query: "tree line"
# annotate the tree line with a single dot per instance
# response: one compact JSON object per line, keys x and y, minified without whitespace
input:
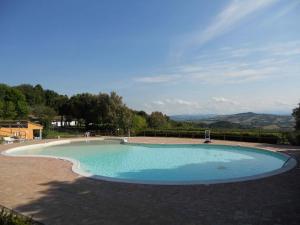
{"x":99,"y":111}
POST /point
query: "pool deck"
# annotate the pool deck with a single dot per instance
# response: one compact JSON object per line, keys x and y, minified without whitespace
{"x":48,"y":190}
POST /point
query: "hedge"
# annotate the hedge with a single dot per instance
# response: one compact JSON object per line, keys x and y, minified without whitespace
{"x":261,"y":137}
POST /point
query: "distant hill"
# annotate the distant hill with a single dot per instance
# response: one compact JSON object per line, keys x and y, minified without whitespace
{"x":192,"y":118}
{"x":249,"y":120}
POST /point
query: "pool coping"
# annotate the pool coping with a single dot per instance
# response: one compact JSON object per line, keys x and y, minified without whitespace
{"x":289,"y":164}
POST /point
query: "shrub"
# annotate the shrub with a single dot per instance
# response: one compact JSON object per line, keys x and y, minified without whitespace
{"x":294,"y":138}
{"x":9,"y":218}
{"x":230,"y":135}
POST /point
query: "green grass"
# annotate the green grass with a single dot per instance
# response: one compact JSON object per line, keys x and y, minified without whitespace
{"x":62,"y":134}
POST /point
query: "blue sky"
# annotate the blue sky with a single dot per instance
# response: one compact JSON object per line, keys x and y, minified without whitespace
{"x":175,"y":56}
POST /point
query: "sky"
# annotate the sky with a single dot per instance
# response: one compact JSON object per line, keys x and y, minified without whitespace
{"x":174,"y":56}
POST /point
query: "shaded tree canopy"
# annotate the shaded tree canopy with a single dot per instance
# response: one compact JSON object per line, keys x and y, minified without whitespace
{"x":158,"y":119}
{"x":13,"y":104}
{"x":296,"y":114}
{"x":104,"y":110}
{"x":34,"y":94}
{"x":45,"y":114}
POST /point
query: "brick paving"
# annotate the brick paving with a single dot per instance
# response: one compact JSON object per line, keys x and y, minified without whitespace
{"x":49,"y":191}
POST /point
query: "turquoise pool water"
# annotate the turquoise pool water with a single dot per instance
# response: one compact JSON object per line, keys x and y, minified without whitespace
{"x":164,"y":163}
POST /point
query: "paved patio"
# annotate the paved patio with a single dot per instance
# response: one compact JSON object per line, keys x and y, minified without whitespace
{"x":48,"y":190}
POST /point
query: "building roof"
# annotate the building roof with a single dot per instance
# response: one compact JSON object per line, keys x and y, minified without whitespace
{"x":18,"y":124}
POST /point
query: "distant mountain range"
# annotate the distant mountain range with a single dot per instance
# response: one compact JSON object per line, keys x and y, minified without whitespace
{"x":192,"y":117}
{"x":249,"y":120}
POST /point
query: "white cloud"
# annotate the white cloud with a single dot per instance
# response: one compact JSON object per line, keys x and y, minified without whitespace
{"x":224,"y":100}
{"x":288,"y":8}
{"x":158,"y":102}
{"x":225,"y":21}
{"x":222,"y":66}
{"x":157,"y":79}
{"x":176,"y":102}
{"x":229,"y":65}
{"x":233,"y":74}
{"x":285,"y":104}
{"x":181,"y":106}
{"x":284,"y":10}
{"x":276,"y":49}
{"x":220,"y":105}
{"x":171,"y":105}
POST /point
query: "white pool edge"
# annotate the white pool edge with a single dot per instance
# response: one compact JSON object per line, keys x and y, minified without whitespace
{"x":290,"y":164}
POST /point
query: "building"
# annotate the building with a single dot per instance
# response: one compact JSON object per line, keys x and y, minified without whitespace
{"x":21,"y":129}
{"x":58,"y":122}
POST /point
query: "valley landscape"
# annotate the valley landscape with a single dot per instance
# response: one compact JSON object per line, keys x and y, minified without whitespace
{"x":242,"y":120}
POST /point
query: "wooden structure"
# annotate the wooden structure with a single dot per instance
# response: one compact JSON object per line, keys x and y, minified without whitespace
{"x":20,"y":129}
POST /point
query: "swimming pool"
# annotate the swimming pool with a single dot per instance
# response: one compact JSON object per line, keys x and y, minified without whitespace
{"x":164,"y":164}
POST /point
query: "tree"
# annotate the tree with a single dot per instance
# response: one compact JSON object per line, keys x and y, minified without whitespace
{"x":51,"y":98}
{"x":111,"y":111}
{"x":116,"y":111}
{"x":12,"y":103}
{"x":98,"y":110}
{"x":106,"y":115}
{"x":125,"y":116}
{"x":84,"y":106}
{"x":158,"y":120}
{"x":1,"y":108}
{"x":101,"y":111}
{"x":45,"y":116}
{"x":296,"y":114}
{"x":143,"y":114}
{"x":59,"y":103}
{"x":138,"y":123}
{"x":34,"y":94}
